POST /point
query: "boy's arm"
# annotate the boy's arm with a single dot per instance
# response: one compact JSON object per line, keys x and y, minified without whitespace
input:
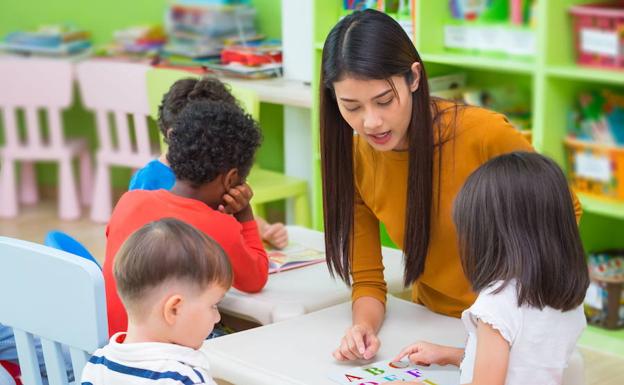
{"x":248,"y":257}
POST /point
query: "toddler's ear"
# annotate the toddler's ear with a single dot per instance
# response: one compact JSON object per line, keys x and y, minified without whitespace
{"x":231,"y":179}
{"x":172,"y":308}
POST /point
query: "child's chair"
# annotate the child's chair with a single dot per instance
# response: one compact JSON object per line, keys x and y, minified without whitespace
{"x":117,"y":89}
{"x":268,"y":186}
{"x":56,"y":296}
{"x":62,"y":241}
{"x":33,"y":85}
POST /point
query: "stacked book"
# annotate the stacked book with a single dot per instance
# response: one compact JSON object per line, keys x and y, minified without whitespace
{"x":53,"y":40}
{"x":255,"y":60}
{"x":197,"y":30}
{"x":136,"y":43}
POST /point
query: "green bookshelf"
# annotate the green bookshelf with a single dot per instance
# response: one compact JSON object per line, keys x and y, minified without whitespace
{"x":553,"y":80}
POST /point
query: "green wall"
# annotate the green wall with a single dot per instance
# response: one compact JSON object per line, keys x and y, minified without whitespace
{"x":104,"y":17}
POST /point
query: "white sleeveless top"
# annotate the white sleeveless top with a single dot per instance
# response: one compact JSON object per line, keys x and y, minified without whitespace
{"x":541,"y":341}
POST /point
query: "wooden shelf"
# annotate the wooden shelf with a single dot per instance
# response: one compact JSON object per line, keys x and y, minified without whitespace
{"x":481,"y":62}
{"x":596,"y":205}
{"x":574,"y":72}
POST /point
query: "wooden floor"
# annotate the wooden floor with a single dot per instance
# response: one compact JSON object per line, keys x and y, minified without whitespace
{"x":35,"y":221}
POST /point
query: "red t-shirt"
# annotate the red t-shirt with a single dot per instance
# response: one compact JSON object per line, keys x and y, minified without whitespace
{"x":241,"y":241}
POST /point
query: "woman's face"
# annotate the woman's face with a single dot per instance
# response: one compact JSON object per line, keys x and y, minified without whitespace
{"x":375,"y":111}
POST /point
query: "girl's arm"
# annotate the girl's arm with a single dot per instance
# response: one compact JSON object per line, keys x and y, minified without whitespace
{"x":490,"y":363}
{"x":492,"y":356}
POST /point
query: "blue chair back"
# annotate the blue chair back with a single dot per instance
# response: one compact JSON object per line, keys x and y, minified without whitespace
{"x":56,"y":296}
{"x":62,"y":241}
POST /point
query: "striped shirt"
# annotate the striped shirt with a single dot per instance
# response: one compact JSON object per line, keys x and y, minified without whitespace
{"x":146,"y":363}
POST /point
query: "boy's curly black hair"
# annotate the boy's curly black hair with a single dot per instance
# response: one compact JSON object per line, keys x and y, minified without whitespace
{"x":210,"y":138}
{"x":185,"y":90}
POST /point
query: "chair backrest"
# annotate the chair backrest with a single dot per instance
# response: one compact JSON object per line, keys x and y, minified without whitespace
{"x":56,"y":296}
{"x":160,"y":80}
{"x":31,"y":85}
{"x":117,"y":88}
{"x":62,"y":241}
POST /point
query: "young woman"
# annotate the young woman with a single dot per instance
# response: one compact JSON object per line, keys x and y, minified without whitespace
{"x":393,"y":154}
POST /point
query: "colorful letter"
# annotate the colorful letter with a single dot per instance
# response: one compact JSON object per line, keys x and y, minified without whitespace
{"x":351,"y":378}
{"x":414,"y":372}
{"x":392,"y":377}
{"x":374,"y":371}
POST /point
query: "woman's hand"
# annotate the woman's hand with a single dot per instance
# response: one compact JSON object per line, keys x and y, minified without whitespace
{"x":359,"y":342}
{"x":426,"y":353}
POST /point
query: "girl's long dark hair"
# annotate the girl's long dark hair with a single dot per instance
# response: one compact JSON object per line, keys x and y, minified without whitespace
{"x":515,"y":220}
{"x":372,"y":45}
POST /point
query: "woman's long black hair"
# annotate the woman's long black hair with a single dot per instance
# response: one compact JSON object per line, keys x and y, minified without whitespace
{"x":372,"y":45}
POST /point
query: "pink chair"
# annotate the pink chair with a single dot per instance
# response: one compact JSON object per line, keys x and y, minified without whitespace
{"x":118,"y":89}
{"x":32,"y":85}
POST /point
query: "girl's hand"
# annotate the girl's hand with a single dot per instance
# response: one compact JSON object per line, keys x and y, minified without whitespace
{"x":359,"y":342}
{"x":275,"y":234}
{"x":236,"y":202}
{"x":426,"y":353}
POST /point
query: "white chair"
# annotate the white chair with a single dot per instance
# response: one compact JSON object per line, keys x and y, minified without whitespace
{"x":118,"y":89}
{"x":33,"y":85}
{"x":56,"y":296}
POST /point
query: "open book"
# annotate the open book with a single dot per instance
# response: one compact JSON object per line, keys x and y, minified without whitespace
{"x":293,"y":256}
{"x":381,"y":372}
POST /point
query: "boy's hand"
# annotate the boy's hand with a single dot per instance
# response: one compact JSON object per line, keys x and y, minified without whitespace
{"x":425,"y":354}
{"x":236,"y":202}
{"x":275,"y":234}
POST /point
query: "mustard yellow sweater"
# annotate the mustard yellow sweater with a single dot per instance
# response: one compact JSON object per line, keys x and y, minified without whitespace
{"x":380,"y":180}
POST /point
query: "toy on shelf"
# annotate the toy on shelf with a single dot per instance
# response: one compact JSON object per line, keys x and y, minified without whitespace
{"x":499,"y":27}
{"x":595,"y":144}
{"x":360,"y":4}
{"x":400,"y":10}
{"x":599,"y":117}
{"x":604,"y":302}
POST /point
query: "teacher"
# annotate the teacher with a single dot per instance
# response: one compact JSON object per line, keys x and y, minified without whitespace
{"x":393,"y":154}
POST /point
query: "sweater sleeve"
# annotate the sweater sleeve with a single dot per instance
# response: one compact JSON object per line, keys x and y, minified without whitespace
{"x":503,"y":138}
{"x":366,"y":261}
{"x":248,"y":257}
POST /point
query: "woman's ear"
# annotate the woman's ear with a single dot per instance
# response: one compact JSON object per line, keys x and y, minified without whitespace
{"x":231,"y":179}
{"x":415,"y":68}
{"x":172,"y":308}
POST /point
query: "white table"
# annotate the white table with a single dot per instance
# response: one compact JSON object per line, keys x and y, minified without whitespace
{"x":298,"y":351}
{"x":299,"y":291}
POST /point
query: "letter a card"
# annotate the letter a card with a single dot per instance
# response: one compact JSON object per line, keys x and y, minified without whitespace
{"x":381,"y":372}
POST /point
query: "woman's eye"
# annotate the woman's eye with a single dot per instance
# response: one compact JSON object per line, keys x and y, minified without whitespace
{"x":385,"y":102}
{"x":352,"y":109}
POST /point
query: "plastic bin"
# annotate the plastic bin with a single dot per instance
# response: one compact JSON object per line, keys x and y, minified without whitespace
{"x":599,"y":34}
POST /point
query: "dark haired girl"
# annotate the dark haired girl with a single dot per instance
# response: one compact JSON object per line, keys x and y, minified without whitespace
{"x":521,"y":251}
{"x":391,"y":154}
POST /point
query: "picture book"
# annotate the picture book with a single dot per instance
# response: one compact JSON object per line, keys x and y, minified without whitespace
{"x":382,"y":372}
{"x":292,"y":256}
